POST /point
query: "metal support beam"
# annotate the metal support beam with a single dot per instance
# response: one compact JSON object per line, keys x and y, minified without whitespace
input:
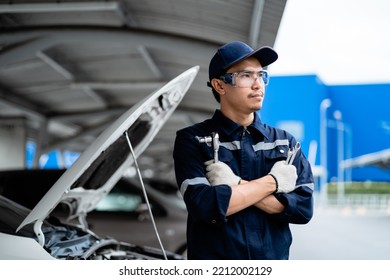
{"x":55,"y":66}
{"x":254,"y":31}
{"x":84,"y":114}
{"x":26,"y":46}
{"x":150,"y":62}
{"x":184,"y":46}
{"x":59,"y":7}
{"x":118,"y":86}
{"x":69,"y":76}
{"x":10,"y":99}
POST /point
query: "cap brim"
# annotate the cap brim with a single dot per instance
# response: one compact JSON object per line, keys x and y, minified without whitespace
{"x":265,"y":55}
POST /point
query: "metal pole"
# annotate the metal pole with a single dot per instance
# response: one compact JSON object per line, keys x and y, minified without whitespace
{"x":325,"y":104}
{"x":340,"y":157}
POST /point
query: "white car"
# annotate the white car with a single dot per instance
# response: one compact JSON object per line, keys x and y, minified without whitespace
{"x":122,"y":214}
{"x":34,"y":234}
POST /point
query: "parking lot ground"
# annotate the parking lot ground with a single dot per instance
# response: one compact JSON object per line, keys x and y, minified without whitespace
{"x":343,"y":233}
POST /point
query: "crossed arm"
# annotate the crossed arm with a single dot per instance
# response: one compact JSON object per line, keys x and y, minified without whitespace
{"x":258,"y":192}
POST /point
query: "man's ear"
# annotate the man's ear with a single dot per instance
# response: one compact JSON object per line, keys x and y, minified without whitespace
{"x":218,"y":86}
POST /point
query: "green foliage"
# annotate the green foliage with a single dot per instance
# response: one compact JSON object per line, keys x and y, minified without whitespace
{"x":368,"y":187}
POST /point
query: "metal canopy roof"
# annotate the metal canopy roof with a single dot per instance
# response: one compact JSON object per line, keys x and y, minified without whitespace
{"x":69,"y":68}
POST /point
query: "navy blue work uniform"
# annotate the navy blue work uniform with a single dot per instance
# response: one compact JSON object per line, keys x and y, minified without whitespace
{"x":250,"y":152}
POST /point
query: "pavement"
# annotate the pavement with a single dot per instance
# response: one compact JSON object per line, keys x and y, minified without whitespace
{"x":343,"y":233}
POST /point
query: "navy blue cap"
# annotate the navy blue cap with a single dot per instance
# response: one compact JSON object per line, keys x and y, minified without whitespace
{"x":234,"y":52}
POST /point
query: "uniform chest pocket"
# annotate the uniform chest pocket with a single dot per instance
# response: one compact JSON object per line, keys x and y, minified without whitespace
{"x":277,"y":153}
{"x":271,"y":156}
{"x":225,"y":155}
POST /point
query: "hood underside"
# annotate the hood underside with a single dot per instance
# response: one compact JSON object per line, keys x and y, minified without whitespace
{"x":104,"y":162}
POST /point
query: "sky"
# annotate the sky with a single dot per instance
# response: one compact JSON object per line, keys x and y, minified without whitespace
{"x":341,"y":41}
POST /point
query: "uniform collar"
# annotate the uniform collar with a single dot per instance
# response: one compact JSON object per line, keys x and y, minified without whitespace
{"x":229,"y":127}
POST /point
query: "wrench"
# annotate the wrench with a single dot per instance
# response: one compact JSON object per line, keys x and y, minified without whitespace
{"x":292,"y":153}
{"x":214,"y":139}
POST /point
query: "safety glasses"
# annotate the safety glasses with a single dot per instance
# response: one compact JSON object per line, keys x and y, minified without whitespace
{"x":245,"y":79}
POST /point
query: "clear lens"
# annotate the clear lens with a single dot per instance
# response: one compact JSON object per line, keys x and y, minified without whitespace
{"x":245,"y":79}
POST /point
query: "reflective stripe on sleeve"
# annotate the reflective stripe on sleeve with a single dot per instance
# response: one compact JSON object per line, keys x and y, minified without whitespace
{"x":193,"y":181}
{"x":310,"y":186}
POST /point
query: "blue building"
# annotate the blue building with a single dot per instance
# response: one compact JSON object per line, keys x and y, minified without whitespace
{"x":354,"y":119}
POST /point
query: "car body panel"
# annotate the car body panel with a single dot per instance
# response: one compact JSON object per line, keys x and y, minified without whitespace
{"x":17,"y":248}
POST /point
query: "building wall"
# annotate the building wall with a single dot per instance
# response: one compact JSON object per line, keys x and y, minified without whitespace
{"x":293,"y":103}
{"x":366,"y":111}
{"x":296,"y":100}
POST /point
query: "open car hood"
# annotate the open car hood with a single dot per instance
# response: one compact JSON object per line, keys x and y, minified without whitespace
{"x":104,"y":162}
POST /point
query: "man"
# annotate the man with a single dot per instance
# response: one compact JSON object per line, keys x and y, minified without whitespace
{"x":233,"y":171}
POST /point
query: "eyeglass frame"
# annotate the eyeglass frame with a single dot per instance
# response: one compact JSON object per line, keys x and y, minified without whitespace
{"x":229,"y":78}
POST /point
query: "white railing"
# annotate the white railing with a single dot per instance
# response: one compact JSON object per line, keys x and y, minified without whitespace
{"x":371,"y":201}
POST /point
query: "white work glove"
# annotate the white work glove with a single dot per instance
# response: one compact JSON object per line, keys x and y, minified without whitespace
{"x":219,"y":173}
{"x":285,"y":176}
